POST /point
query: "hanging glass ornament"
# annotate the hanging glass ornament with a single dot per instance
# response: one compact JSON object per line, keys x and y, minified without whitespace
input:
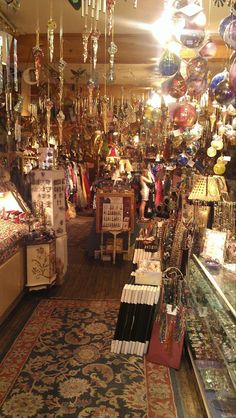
{"x":219,"y":169}
{"x":111,"y":76}
{"x":196,"y":131}
{"x":224,"y":23}
{"x":208,"y":50}
{"x":191,"y":37}
{"x":197,"y":67}
{"x":51,"y":29}
{"x":218,"y":78}
{"x":169,"y":63}
{"x":211,"y":152}
{"x":196,"y":87}
{"x":232,"y":57}
{"x":176,"y":86}
{"x":232,"y":76}
{"x":85,"y":38}
{"x":217,"y":144}
{"x":230,"y":34}
{"x":192,"y":148}
{"x":95,"y":35}
{"x":185,"y":115}
{"x":182,"y":160}
{"x":223,"y":93}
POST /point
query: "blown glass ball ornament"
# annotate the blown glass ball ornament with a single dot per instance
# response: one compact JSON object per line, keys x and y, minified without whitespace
{"x":182,"y":160}
{"x":217,"y":144}
{"x":232,"y":76}
{"x":197,"y":67}
{"x":208,"y":50}
{"x":196,"y":87}
{"x":223,"y":93}
{"x":169,"y":63}
{"x":192,"y":148}
{"x":230,"y":34}
{"x":185,"y":115}
{"x":218,"y":78}
{"x":224,"y":23}
{"x":211,"y":152}
{"x":192,"y":37}
{"x":176,"y":86}
{"x":219,"y":169}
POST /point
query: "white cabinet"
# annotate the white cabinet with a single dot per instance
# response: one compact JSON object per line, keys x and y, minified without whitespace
{"x":48,"y":190}
{"x":41,"y":265}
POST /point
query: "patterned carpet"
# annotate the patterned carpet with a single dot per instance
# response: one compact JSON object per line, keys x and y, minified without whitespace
{"x":61,"y":366}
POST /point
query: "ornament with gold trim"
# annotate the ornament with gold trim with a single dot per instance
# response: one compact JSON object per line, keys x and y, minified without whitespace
{"x":219,"y":168}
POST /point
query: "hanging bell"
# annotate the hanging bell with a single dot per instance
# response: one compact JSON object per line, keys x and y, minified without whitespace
{"x":169,"y":63}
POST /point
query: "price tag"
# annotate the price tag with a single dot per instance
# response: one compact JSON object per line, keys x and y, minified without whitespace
{"x":170,"y":310}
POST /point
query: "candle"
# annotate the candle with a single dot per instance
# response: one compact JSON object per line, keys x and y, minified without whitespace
{"x":82,"y":8}
{"x":86,"y":7}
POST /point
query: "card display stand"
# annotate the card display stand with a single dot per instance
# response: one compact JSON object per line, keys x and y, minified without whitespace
{"x":114,"y":216}
{"x":41,"y":265}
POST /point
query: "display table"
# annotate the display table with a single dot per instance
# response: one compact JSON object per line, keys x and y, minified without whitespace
{"x":41,"y":264}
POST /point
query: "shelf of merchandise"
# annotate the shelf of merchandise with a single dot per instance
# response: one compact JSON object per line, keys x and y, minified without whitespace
{"x":214,"y":281}
{"x":218,"y":282}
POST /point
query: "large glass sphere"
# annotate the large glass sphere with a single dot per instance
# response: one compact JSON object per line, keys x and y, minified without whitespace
{"x":169,"y":63}
{"x":230,"y":34}
{"x":191,"y":37}
{"x":232,"y":76}
{"x":223,"y":93}
{"x":208,"y":50}
{"x":196,"y":87}
{"x":185,"y":115}
{"x":197,"y":67}
{"x":218,"y":78}
{"x":224,"y":23}
{"x":176,"y":86}
{"x":219,"y":168}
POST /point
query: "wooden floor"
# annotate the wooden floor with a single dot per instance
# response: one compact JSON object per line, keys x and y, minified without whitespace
{"x":92,"y":279}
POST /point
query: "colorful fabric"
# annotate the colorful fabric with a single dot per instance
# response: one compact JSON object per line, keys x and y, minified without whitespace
{"x":61,"y":366}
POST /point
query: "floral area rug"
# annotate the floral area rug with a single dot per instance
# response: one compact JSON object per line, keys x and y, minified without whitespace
{"x":60,"y":365}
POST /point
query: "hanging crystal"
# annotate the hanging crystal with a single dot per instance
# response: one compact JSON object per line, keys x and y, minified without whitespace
{"x":90,"y":96}
{"x":60,"y":120}
{"x":61,"y":67}
{"x":51,"y":28}
{"x":15,"y":65}
{"x":110,"y":12}
{"x":49,"y":105}
{"x":38,"y":56}
{"x":94,"y":38}
{"x":85,"y":37}
{"x":112,"y":50}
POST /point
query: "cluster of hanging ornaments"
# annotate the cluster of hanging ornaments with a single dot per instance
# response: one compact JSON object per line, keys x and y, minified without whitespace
{"x":194,"y":86}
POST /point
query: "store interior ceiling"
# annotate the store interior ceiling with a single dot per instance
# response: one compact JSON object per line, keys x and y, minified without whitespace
{"x":136,"y":61}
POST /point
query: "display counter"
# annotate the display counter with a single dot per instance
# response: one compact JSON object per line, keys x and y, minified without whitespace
{"x":13,"y":229}
{"x":211,"y":336}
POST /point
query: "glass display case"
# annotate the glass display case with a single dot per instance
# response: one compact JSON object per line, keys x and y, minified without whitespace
{"x":211,"y":336}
